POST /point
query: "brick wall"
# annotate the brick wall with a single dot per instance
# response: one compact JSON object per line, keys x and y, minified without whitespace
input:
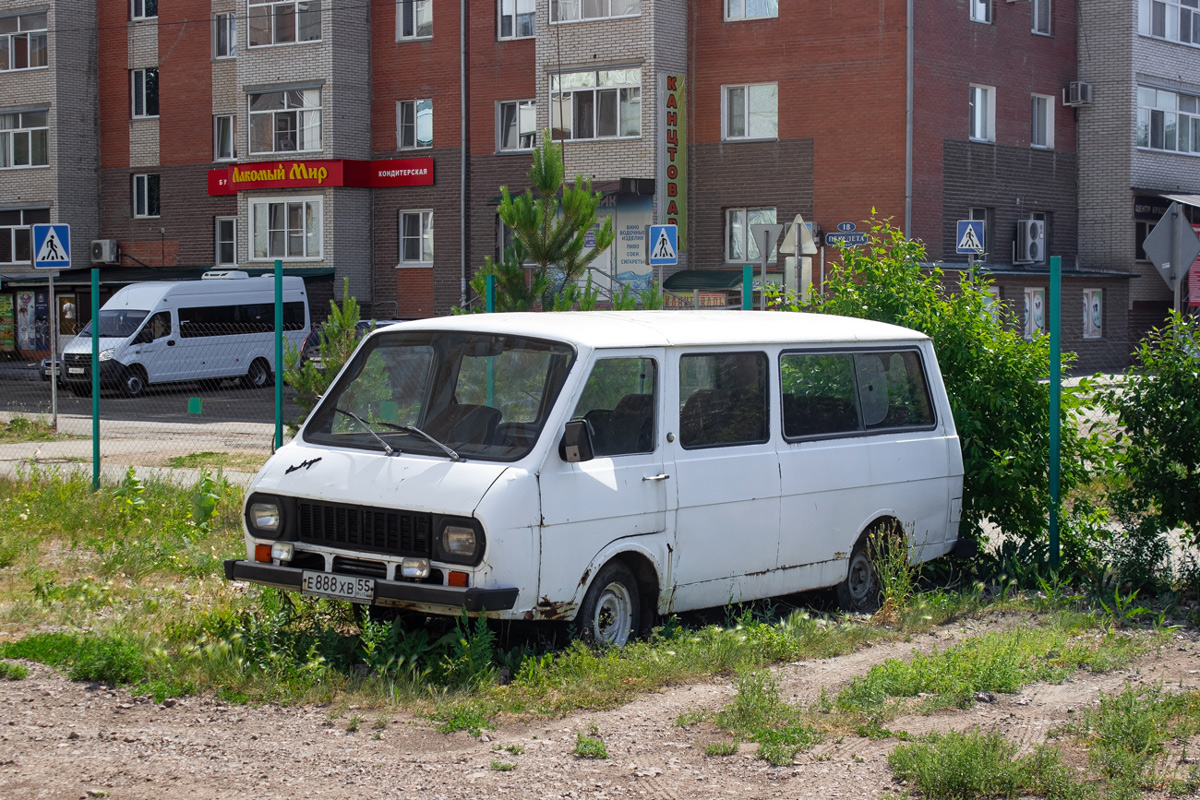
{"x":185,"y":82}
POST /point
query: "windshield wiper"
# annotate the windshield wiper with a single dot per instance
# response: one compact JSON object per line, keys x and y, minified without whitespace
{"x":387,"y":448}
{"x":414,"y":429}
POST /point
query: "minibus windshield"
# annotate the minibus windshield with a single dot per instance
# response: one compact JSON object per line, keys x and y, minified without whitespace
{"x":120,"y":323}
{"x":443,"y":393}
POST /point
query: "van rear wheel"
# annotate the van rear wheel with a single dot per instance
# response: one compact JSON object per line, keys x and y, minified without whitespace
{"x":133,"y":382}
{"x":258,"y":376}
{"x":860,"y":592}
{"x":611,"y":611}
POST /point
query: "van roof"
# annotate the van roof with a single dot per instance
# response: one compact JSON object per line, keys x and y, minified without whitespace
{"x":146,"y":294}
{"x":607,"y":329}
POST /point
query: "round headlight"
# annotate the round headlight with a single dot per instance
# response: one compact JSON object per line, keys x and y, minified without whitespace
{"x":458,"y":540}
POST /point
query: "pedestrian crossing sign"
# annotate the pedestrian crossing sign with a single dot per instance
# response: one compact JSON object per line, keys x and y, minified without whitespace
{"x":52,"y":246}
{"x":664,"y":245}
{"x":970,"y":236}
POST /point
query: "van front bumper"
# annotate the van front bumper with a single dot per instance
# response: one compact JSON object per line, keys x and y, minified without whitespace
{"x":398,"y":591}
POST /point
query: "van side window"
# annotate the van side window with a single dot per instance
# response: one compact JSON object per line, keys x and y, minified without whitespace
{"x":229,"y":320}
{"x":723,"y":399}
{"x":835,"y":393}
{"x":159,"y":325}
{"x":619,"y":402}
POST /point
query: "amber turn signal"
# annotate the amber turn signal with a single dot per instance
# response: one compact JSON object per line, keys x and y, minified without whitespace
{"x":262,"y":552}
{"x":457,"y":579}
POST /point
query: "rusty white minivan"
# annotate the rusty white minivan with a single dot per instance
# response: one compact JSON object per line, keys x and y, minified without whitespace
{"x":605,"y":467}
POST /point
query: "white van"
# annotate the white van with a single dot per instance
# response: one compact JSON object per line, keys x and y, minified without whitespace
{"x":160,"y":332}
{"x":602,"y":467}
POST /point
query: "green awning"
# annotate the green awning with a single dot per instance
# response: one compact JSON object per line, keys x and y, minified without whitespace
{"x":706,"y":280}
{"x":119,"y":276}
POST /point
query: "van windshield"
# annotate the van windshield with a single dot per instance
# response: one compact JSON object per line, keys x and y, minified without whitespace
{"x":485,"y":396}
{"x":119,"y":323}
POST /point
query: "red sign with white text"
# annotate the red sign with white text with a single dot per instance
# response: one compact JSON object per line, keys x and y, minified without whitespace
{"x":1194,"y":278}
{"x":319,"y":173}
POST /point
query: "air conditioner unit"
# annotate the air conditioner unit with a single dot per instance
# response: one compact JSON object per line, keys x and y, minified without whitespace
{"x":1031,"y":242}
{"x":1077,"y":93}
{"x":105,"y":251}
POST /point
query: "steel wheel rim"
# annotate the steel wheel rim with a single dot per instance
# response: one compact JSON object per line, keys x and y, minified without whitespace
{"x":258,"y":375}
{"x":133,"y":382}
{"x":861,"y":579}
{"x":614,"y":615}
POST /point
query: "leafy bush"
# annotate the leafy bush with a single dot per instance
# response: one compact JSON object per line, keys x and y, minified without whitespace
{"x":336,"y":340}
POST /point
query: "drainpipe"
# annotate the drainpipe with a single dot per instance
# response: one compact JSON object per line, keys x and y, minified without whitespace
{"x":462,"y":92}
{"x":908,"y":126}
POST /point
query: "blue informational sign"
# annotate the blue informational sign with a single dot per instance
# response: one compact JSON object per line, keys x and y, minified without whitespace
{"x":969,"y":236}
{"x":664,"y":245}
{"x":52,"y":246}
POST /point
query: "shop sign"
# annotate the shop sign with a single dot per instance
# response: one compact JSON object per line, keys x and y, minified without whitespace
{"x":8,"y":333}
{"x":673,"y":156}
{"x":319,"y":173}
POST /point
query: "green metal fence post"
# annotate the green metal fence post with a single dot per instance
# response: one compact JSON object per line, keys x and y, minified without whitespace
{"x":278,"y":353}
{"x":1055,"y":399}
{"x":95,"y":379}
{"x":747,"y":287}
{"x":490,"y":301}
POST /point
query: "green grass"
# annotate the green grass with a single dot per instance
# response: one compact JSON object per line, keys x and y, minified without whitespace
{"x":721,"y":749}
{"x":12,"y":672}
{"x":237,"y":462}
{"x":503,"y":766}
{"x":24,"y":429}
{"x":758,"y":714}
{"x":590,"y":746}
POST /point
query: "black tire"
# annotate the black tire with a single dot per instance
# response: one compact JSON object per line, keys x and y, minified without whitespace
{"x":611,"y":613}
{"x":133,"y":382}
{"x":259,"y":375}
{"x":860,"y":591}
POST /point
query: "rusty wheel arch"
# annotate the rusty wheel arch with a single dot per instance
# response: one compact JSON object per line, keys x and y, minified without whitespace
{"x":648,"y":584}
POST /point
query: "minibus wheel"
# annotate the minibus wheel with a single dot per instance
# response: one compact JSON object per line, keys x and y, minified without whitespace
{"x":860,"y":592}
{"x":612,"y":608}
{"x":258,"y":376}
{"x":133,"y":382}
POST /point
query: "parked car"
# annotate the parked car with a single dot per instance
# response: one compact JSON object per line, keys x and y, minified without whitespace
{"x":46,"y":372}
{"x":312,"y":345}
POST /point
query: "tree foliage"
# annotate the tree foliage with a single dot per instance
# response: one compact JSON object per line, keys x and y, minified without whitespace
{"x":337,"y":338}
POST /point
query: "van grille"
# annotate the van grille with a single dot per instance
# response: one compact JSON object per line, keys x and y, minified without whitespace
{"x":376,"y":530}
{"x":358,"y":566}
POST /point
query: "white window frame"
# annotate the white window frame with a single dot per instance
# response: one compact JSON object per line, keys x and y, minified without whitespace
{"x":308,"y":120}
{"x":139,"y":9}
{"x":145,"y":179}
{"x":1043,"y":17}
{"x":410,"y":12}
{"x":31,"y":27}
{"x":982,"y":114}
{"x":523,"y":111}
{"x":23,"y":226}
{"x":515,"y":11}
{"x":219,"y":152}
{"x":24,"y":130}
{"x":980,"y":11}
{"x":595,"y":82}
{"x":728,"y":104}
{"x":424,"y":237}
{"x":1172,"y":20}
{"x":1174,"y":115}
{"x":143,"y":95}
{"x":980,"y":213}
{"x":737,"y":10}
{"x":225,"y":24}
{"x":217,"y":241}
{"x":275,"y":10}
{"x":1047,"y":124}
{"x":404,"y":128}
{"x":742,"y":226}
{"x":565,"y":12}
{"x":306,"y":236}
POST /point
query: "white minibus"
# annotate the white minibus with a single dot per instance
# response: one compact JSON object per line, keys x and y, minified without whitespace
{"x":221,"y":326}
{"x":607,"y":467}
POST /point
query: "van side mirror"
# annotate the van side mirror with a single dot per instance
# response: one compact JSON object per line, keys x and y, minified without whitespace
{"x":576,"y":444}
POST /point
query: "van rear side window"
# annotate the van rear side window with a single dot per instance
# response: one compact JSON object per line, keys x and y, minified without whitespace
{"x":827,"y":394}
{"x":202,"y":321}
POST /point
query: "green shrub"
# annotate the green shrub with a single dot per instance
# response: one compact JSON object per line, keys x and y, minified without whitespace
{"x":12,"y":672}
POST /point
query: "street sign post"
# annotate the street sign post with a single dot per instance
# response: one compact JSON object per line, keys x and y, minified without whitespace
{"x":765,"y":235}
{"x":52,"y":251}
{"x":1172,"y":245}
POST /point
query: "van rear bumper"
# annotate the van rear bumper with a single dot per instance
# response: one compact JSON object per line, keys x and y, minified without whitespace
{"x":468,"y":599}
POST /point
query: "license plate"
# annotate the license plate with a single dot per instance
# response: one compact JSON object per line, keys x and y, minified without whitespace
{"x":341,"y":587}
{"x":74,"y":370}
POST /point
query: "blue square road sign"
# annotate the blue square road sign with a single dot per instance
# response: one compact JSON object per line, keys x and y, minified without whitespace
{"x":664,"y":245}
{"x":969,"y":238}
{"x":52,"y":246}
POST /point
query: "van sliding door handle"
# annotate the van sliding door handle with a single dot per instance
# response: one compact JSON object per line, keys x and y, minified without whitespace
{"x":661,"y":477}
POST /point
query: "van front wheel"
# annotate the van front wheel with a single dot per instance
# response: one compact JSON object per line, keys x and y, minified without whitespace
{"x":611,"y":610}
{"x":133,"y":382}
{"x":258,"y":376}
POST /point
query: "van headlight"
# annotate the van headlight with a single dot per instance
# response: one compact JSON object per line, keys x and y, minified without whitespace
{"x":264,"y":516}
{"x":106,"y":355}
{"x":460,"y":541}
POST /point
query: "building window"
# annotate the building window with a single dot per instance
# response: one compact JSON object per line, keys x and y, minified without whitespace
{"x":1168,"y":120}
{"x":16,"y":243}
{"x":284,"y":22}
{"x":414,"y":19}
{"x":144,"y":9}
{"x":1141,"y":231}
{"x":596,"y":105}
{"x":983,"y":215}
{"x":739,"y":244}
{"x":1041,"y":16}
{"x":751,"y":112}
{"x":981,"y":10}
{"x":23,"y":139}
{"x":576,"y":10}
{"x":145,"y":196}
{"x":145,"y":92}
{"x":416,"y":238}
{"x":1041,"y":117}
{"x":516,"y":19}
{"x":289,"y":230}
{"x":225,"y":35}
{"x":226,"y":239}
{"x":751,"y":9}
{"x":1174,"y":20}
{"x":414,"y":124}
{"x":516,"y":125}
{"x":284,"y":122}
{"x":224,"y":137}
{"x":983,"y":113}
{"x":23,"y":41}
